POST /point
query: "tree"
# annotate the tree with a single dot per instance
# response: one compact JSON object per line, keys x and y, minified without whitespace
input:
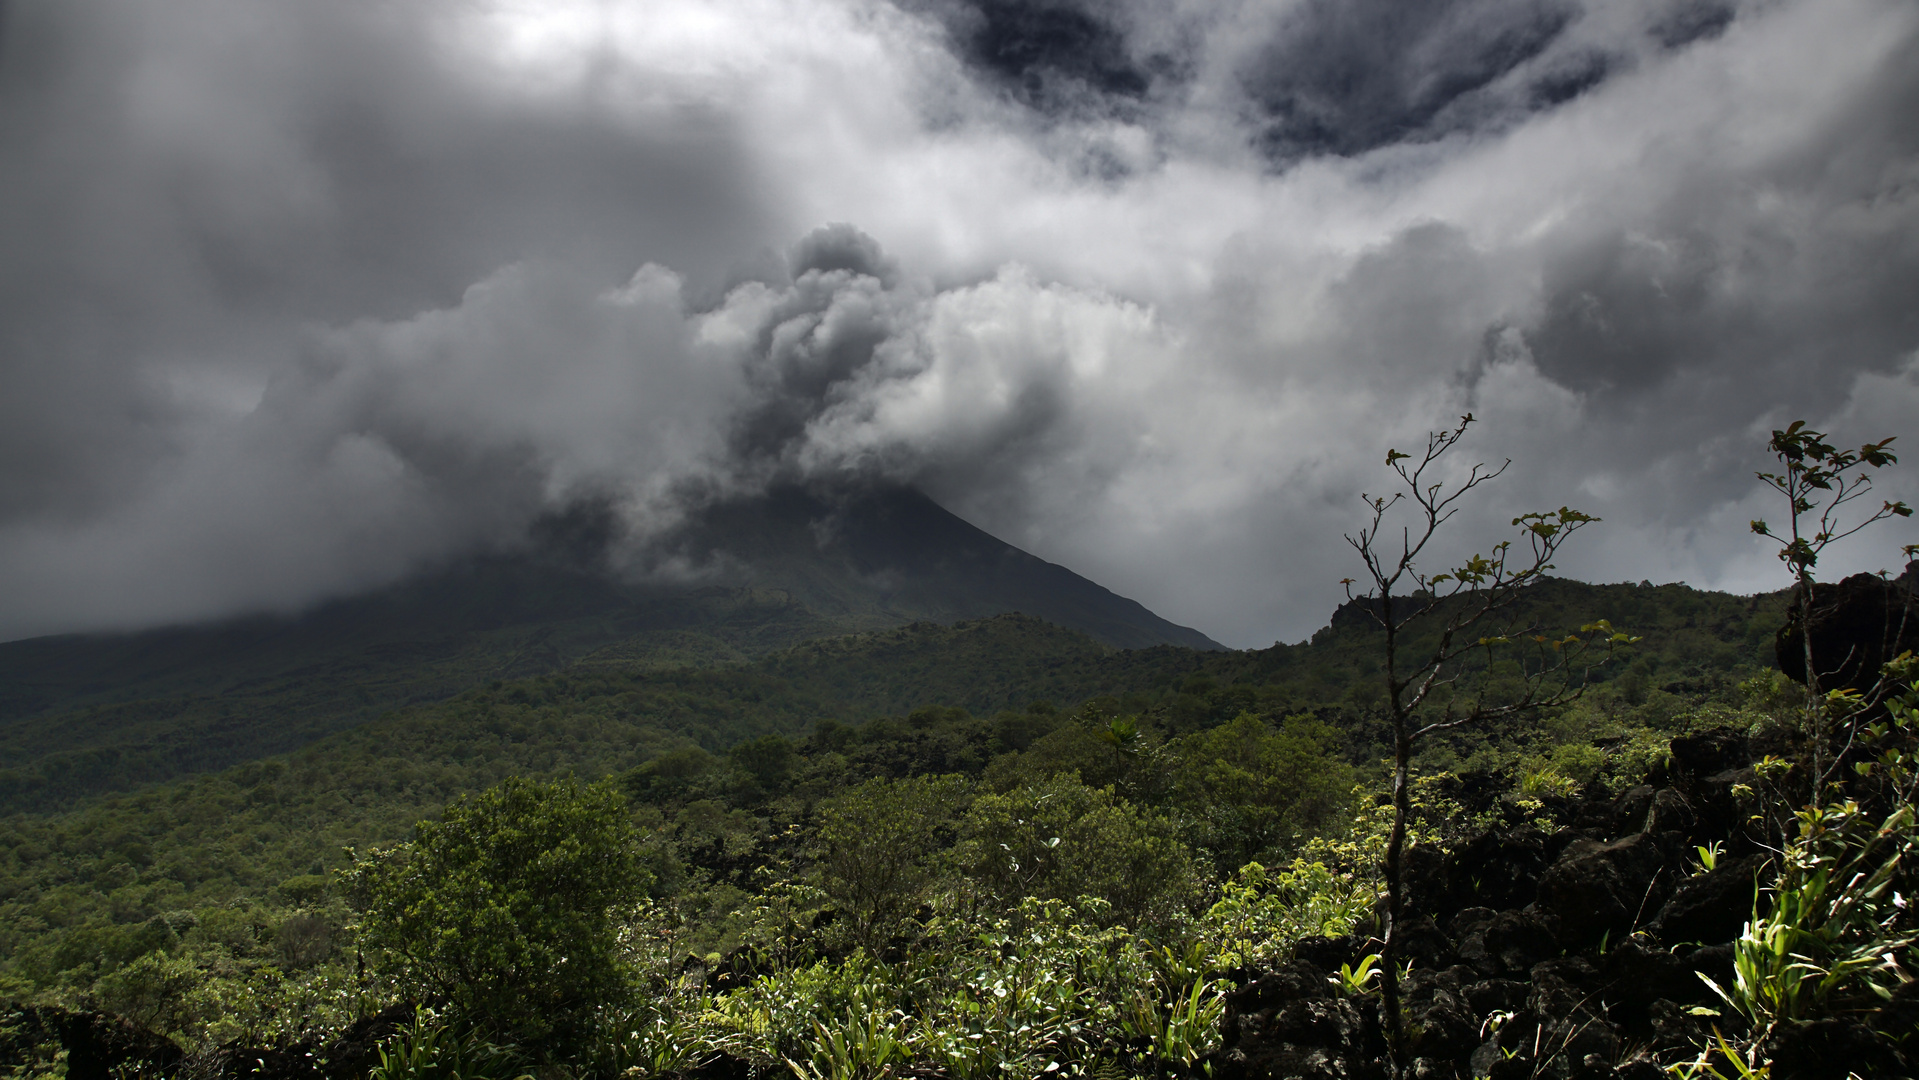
{"x":1462,"y":609}
{"x":1060,"y":839}
{"x":876,"y":846}
{"x":1817,"y":489}
{"x":510,"y":908}
{"x":1254,"y":791}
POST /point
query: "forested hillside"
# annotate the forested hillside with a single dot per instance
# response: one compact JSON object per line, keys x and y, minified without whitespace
{"x":89,"y":714}
{"x":210,"y":907}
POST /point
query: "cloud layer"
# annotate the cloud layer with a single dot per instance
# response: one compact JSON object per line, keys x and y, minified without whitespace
{"x":297,"y":298}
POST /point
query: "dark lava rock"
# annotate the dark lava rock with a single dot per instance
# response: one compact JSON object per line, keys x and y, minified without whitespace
{"x":1562,"y":988}
{"x":1327,"y":1022}
{"x":1627,"y":814}
{"x":1291,"y":981}
{"x":1436,"y":1008}
{"x":1468,"y":921}
{"x":1667,"y":811}
{"x":1857,"y":625}
{"x":1595,"y":890}
{"x":98,"y":1046}
{"x":1422,"y":942}
{"x":1714,"y":906}
{"x":1425,"y":879}
{"x":722,"y":1066}
{"x":1328,"y":953}
{"x":1705,"y":753}
{"x":1489,"y":996}
{"x":347,"y":1056}
{"x":1674,"y":1029}
{"x":1286,"y":1062}
{"x":1497,"y":869}
{"x":1250,"y":1009}
{"x":1510,"y":945}
{"x":1633,"y":977}
{"x":1831,"y":1047}
{"x":1582,"y":1046}
{"x":1901,"y":1013}
{"x":1712,"y":961}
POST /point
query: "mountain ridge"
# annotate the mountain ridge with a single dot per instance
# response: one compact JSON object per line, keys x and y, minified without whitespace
{"x":785,"y":568}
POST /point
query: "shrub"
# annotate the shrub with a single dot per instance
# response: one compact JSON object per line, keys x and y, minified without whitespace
{"x":1061,"y":840}
{"x":1256,"y":791}
{"x":876,"y":845}
{"x":510,"y":907}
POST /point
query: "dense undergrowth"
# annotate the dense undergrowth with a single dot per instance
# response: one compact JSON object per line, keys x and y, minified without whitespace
{"x":930,"y":890}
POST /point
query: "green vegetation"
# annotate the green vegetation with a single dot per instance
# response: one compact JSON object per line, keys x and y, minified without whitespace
{"x":210,"y":908}
{"x":510,"y":908}
{"x":989,"y":848}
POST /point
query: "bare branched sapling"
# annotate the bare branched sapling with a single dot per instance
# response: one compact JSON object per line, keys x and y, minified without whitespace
{"x":1472,"y":607}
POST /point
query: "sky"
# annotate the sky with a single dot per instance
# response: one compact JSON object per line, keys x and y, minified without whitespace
{"x":299,"y":298}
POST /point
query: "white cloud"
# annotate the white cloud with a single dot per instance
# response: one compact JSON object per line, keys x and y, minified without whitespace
{"x":299,"y":298}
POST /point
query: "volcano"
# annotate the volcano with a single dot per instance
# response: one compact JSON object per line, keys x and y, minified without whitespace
{"x":749,"y":577}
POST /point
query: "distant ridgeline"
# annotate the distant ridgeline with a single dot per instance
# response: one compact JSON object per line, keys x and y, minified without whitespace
{"x":717,"y":665}
{"x":82,"y":715}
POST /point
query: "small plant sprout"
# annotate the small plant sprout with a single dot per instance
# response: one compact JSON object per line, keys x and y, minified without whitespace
{"x":1709,"y":856}
{"x":1354,"y":981}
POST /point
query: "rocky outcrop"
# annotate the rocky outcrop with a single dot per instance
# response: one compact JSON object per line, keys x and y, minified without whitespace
{"x":347,"y":1055}
{"x":1857,"y":625}
{"x":98,"y":1046}
{"x":1576,"y":955}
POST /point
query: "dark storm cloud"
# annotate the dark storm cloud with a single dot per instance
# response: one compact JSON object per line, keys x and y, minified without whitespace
{"x":1348,"y":76}
{"x":1786,"y":280}
{"x":296,"y":298}
{"x":1692,"y":20}
{"x":1049,"y":54}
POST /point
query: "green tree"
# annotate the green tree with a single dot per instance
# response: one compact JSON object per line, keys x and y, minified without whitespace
{"x":1256,"y":791}
{"x":510,"y":907}
{"x":1061,"y":840}
{"x":876,"y":848}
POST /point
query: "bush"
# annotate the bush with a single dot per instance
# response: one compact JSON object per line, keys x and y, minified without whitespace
{"x":876,"y":845}
{"x":510,"y":907}
{"x":1256,"y":791}
{"x":1062,"y":840}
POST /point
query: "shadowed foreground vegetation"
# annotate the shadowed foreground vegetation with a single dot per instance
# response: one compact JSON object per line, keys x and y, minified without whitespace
{"x":991,"y":848}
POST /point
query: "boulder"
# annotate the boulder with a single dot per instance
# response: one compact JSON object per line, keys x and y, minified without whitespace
{"x":1857,"y":625}
{"x":1489,"y":996}
{"x":1497,"y":869}
{"x":1632,"y":978}
{"x":1704,"y":753}
{"x":1712,"y":907}
{"x":1437,"y":1010}
{"x":1250,"y":1009}
{"x":1422,"y":942}
{"x":1328,"y":953}
{"x":1598,"y":890}
{"x":1511,"y":943}
{"x":1666,"y":811}
{"x":1831,"y":1047}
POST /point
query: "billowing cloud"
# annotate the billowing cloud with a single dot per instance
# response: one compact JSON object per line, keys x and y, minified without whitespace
{"x":295,"y":299}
